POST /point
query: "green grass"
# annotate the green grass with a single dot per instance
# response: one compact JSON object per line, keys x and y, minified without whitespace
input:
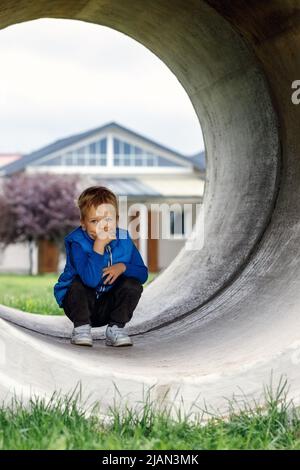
{"x":60,"y":423}
{"x":33,"y":294}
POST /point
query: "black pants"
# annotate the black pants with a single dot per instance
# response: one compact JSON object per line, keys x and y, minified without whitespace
{"x":115,"y":306}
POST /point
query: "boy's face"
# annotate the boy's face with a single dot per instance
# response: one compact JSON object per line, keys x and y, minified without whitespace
{"x":99,"y":219}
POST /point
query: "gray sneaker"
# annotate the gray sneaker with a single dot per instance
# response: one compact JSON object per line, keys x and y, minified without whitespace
{"x":82,"y":336}
{"x":116,"y":336}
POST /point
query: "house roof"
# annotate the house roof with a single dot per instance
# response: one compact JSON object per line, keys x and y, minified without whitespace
{"x":20,"y":164}
{"x":126,"y":186}
{"x":149,"y":186}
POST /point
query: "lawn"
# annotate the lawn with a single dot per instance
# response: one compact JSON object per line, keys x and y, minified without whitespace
{"x":34,"y":294}
{"x":61,"y":424}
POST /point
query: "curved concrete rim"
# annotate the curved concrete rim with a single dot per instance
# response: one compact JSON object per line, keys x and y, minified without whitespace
{"x":219,"y":319}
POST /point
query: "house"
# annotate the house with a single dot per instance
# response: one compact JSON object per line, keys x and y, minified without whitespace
{"x":140,"y":171}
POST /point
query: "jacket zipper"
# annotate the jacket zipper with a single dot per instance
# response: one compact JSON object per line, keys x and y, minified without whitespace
{"x":110,"y":255}
{"x":110,"y":262}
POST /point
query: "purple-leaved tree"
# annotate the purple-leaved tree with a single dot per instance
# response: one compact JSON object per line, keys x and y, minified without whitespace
{"x":38,"y":208}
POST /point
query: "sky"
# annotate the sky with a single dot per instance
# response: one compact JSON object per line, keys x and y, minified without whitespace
{"x":61,"y":77}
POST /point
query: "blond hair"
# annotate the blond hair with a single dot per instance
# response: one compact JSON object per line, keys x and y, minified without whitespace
{"x":94,"y":196}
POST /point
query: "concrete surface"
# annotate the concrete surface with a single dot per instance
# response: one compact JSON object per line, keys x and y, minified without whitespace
{"x":219,"y":319}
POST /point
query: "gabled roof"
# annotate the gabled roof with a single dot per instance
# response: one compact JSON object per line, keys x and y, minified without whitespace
{"x":126,"y":186}
{"x":20,"y":164}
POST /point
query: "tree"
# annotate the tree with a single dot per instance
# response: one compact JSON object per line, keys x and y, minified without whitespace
{"x":37,"y":208}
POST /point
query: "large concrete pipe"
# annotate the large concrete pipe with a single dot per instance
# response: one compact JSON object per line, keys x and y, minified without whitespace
{"x":220,"y":318}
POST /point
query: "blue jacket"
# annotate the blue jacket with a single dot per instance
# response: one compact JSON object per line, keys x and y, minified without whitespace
{"x":82,"y":260}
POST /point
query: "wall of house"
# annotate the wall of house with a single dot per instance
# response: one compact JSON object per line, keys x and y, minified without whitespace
{"x":15,"y":259}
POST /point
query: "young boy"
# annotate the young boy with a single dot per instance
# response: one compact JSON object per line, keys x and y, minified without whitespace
{"x":102,"y":280}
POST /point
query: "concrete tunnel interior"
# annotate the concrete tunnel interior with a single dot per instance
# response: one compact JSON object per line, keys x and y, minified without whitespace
{"x":222,"y":316}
